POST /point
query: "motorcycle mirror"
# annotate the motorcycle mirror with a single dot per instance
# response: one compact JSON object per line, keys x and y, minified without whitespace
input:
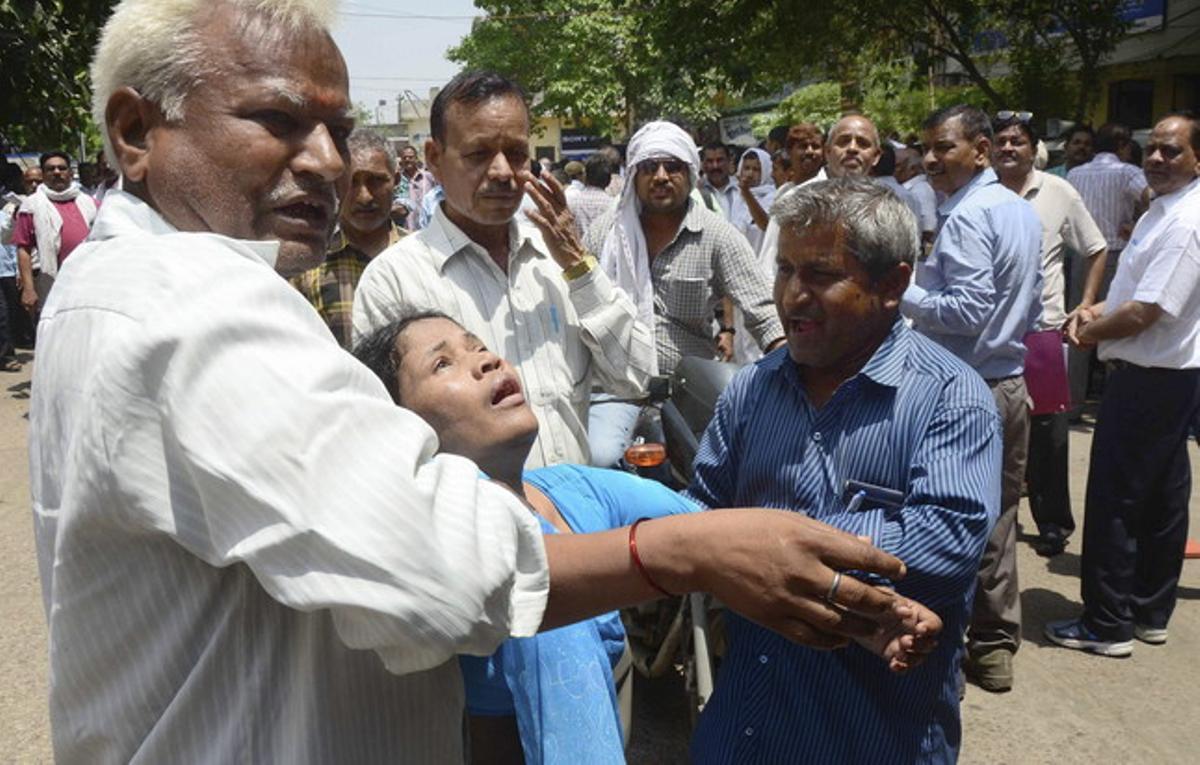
{"x":646,"y":455}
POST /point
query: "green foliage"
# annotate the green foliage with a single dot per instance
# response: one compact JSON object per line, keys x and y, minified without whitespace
{"x":594,"y":61}
{"x":44,"y":89}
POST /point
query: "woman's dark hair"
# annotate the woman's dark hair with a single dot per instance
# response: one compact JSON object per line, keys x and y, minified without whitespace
{"x":379,"y":352}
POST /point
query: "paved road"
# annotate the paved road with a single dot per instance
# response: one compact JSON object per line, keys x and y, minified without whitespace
{"x":1066,"y":707}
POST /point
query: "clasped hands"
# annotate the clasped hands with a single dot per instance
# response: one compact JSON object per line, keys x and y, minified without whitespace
{"x":777,"y":568}
{"x":1077,"y":320}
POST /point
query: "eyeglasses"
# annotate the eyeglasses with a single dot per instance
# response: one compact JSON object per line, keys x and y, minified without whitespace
{"x":1008,"y":114}
{"x":672,"y":166}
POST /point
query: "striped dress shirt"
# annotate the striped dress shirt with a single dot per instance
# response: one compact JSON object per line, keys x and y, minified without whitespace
{"x":247,"y":551}
{"x":916,"y":420}
{"x":1111,"y":189}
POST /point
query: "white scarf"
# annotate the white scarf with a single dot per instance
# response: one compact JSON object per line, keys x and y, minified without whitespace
{"x":47,"y":223}
{"x":624,"y":255}
{"x":764,"y":193}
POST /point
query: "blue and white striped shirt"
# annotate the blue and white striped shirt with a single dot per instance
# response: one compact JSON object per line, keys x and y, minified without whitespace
{"x":917,"y":420}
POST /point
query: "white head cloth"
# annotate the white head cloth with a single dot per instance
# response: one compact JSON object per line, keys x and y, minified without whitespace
{"x":47,"y":222}
{"x":624,"y":256}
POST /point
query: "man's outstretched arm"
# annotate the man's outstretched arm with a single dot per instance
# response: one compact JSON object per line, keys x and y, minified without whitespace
{"x":771,"y":566}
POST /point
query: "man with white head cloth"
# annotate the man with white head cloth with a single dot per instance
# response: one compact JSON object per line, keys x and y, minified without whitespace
{"x":247,"y":552}
{"x":675,"y":258}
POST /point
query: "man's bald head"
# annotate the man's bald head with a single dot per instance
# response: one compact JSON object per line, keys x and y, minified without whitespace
{"x":853,"y":147}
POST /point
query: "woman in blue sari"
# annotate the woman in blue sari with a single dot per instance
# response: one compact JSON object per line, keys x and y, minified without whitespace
{"x":549,"y":698}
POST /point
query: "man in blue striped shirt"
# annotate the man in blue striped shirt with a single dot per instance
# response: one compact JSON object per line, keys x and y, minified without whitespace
{"x":856,"y":396}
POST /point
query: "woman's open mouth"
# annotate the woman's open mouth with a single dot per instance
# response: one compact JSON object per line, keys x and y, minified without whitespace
{"x":507,"y":393}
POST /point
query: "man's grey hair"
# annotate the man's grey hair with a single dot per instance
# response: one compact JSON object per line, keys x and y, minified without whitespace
{"x":364,"y":139}
{"x":880,"y":230}
{"x":155,"y":47}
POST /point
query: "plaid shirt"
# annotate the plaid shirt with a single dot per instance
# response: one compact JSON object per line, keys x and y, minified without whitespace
{"x":329,"y":287}
{"x":708,"y":260}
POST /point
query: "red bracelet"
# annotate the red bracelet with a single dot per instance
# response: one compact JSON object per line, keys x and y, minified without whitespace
{"x":637,"y":561}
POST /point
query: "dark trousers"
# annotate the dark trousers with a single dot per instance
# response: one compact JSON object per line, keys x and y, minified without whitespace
{"x":996,"y":612}
{"x":1046,"y":475}
{"x":20,"y":324}
{"x":1136,"y":517}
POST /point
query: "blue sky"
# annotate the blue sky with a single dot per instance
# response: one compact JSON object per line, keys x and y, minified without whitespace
{"x":396,"y":45}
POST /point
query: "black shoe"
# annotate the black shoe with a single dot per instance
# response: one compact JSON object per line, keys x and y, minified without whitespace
{"x":1048,"y":545}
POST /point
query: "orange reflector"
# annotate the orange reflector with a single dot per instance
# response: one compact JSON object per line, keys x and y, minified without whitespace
{"x":1192,"y":550}
{"x":646,"y":455}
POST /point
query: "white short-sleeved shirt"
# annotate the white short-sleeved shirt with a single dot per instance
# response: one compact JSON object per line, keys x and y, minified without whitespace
{"x":1066,"y":224}
{"x":248,"y":553}
{"x":1161,"y":265}
{"x":561,"y":336}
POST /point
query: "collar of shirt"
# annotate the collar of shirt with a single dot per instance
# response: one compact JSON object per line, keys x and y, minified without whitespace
{"x":124,"y":214}
{"x":1033,"y":184}
{"x":1168,"y":202}
{"x":981,"y":179}
{"x":1106,"y":158}
{"x":885,"y":367}
{"x":340,"y":242}
{"x":446,"y":240}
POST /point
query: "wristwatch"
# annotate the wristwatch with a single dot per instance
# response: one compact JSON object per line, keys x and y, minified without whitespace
{"x":583,"y":266}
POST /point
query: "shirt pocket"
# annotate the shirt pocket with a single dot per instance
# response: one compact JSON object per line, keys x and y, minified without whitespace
{"x":687,"y":299}
{"x":565,"y":353}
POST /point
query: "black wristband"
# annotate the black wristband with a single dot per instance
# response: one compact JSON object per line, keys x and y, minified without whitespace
{"x":730,"y":330}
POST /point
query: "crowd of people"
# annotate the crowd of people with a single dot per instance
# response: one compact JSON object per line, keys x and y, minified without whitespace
{"x":255,"y":545}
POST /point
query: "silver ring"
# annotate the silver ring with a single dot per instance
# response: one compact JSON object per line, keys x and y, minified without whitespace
{"x":833,"y":588}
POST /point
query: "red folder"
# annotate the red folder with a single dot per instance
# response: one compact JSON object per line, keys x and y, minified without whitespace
{"x":1046,"y":372}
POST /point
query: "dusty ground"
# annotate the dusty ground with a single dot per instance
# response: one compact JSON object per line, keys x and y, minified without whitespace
{"x":1066,"y":707}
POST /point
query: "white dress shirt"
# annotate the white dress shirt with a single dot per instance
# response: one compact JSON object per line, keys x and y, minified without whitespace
{"x":1111,"y":190}
{"x":1161,"y":265}
{"x":562,"y":336}
{"x":247,"y":552}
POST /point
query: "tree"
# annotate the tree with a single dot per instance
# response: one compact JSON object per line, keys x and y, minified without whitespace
{"x":45,"y":94}
{"x":594,"y":61}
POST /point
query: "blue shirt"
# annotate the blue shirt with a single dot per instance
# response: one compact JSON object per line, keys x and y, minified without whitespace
{"x":559,"y":683}
{"x":979,"y":291}
{"x":916,"y":420}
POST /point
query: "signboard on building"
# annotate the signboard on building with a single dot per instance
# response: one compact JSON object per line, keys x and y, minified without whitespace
{"x":1146,"y":15}
{"x":737,"y":130}
{"x":580,"y":140}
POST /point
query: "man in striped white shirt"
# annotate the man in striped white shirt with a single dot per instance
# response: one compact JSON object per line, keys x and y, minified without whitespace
{"x":1114,"y":191}
{"x":247,"y":552}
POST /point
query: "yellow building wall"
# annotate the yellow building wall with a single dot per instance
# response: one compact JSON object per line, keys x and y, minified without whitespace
{"x":1162,"y":72}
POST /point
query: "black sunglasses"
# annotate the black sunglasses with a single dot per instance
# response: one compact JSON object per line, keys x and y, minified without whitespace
{"x":672,"y":166}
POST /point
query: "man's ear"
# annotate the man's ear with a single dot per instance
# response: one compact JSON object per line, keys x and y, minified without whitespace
{"x":983,"y":152}
{"x":433,"y":156}
{"x":130,"y":118}
{"x":893,"y":284}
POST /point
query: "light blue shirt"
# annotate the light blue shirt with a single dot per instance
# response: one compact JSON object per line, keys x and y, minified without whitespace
{"x":914,"y":420}
{"x":8,"y":252}
{"x":979,"y":291}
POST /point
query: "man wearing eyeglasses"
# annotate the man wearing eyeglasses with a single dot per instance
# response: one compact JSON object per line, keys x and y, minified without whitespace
{"x":675,"y":258}
{"x":530,"y":292}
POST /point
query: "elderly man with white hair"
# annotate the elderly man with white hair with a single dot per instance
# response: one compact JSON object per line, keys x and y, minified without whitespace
{"x":248,"y":553}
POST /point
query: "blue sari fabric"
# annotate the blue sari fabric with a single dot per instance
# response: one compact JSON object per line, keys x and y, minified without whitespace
{"x":559,"y":683}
